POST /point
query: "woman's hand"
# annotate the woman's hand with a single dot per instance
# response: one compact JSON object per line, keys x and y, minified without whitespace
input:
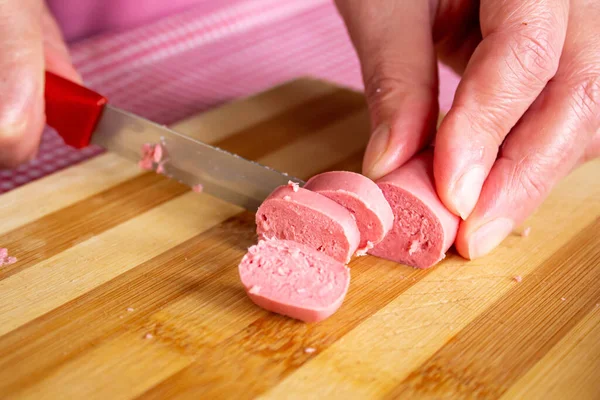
{"x":30,"y":41}
{"x":526,"y":112}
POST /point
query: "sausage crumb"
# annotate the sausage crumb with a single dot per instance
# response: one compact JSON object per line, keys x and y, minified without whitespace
{"x":563,"y":298}
{"x":295,"y":187}
{"x":310,"y":350}
{"x":526,"y":232}
{"x":254,"y":290}
{"x":148,"y":336}
{"x":5,"y":259}
{"x":518,"y":278}
{"x":130,"y":309}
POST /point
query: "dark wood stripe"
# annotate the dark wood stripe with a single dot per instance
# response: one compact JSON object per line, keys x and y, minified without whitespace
{"x":351,"y":163}
{"x":62,"y":229}
{"x":34,"y":350}
{"x":268,"y":136}
{"x":497,"y":348}
{"x":273,"y":346}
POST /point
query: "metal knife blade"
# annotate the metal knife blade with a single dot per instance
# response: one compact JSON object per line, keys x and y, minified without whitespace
{"x":222,"y":174}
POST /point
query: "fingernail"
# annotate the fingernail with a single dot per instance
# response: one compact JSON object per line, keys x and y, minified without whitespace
{"x":490,"y":235}
{"x":375,"y":154}
{"x":466,"y":191}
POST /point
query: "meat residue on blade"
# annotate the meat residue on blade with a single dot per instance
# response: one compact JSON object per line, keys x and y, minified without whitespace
{"x":153,"y":158}
{"x":198,"y":188}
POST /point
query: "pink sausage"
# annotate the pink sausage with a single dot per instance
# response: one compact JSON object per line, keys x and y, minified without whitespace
{"x":423,"y":229}
{"x":362,"y":197}
{"x":292,"y":279}
{"x":292,"y":213}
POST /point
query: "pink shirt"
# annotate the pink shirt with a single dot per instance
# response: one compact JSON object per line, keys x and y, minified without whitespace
{"x":82,"y":18}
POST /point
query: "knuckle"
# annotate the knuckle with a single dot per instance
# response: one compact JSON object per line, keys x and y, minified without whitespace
{"x":488,"y":126}
{"x":535,"y":55}
{"x":529,"y":178}
{"x":585,"y":93}
{"x":393,"y":78}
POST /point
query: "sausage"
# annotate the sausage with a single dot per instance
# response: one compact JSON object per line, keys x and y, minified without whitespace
{"x":424,"y":229}
{"x":293,"y":279}
{"x":300,"y":215}
{"x":363,"y":198}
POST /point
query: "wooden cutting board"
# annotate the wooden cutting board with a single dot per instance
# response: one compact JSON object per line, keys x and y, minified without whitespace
{"x":126,"y":285}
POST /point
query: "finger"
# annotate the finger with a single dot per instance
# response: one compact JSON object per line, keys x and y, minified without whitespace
{"x":56,"y":53}
{"x":456,"y":32}
{"x":21,"y":80}
{"x":519,"y":54}
{"x":549,"y":141}
{"x":395,"y":47}
{"x":593,"y":149}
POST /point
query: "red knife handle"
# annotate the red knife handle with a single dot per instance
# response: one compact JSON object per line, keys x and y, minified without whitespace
{"x":72,"y":110}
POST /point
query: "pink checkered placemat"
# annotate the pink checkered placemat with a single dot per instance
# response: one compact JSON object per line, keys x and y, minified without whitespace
{"x":199,"y":59}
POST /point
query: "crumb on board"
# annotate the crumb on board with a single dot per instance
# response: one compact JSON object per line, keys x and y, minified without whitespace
{"x":295,"y":187}
{"x":130,"y":309}
{"x":526,"y":231}
{"x":5,"y":259}
{"x":198,"y":188}
{"x":254,"y":290}
{"x":363,"y":252}
{"x":563,"y":298}
{"x":518,"y":278}
{"x":148,"y":336}
{"x":310,"y":350}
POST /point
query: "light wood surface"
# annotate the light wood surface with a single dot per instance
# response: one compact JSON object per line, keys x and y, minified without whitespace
{"x":127,"y":288}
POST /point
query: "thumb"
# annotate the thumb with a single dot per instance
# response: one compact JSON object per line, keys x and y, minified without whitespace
{"x":395,"y":47}
{"x":56,"y":52}
{"x":22,"y":66}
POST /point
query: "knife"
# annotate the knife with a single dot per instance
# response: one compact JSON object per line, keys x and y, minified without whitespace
{"x":83,"y":117}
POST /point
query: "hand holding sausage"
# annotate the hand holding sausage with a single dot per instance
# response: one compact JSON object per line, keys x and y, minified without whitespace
{"x":526,"y":112}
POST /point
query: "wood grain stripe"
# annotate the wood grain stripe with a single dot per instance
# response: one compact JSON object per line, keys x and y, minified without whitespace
{"x":351,"y":163}
{"x":267,"y":136}
{"x":216,"y":124}
{"x":62,"y":189}
{"x":517,"y":331}
{"x":569,"y":370}
{"x":62,"y":229}
{"x":273,"y":346}
{"x":141,"y":363}
{"x":71,"y":273}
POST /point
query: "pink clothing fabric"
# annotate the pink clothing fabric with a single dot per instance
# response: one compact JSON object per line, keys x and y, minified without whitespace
{"x":82,"y":18}
{"x":212,"y":53}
